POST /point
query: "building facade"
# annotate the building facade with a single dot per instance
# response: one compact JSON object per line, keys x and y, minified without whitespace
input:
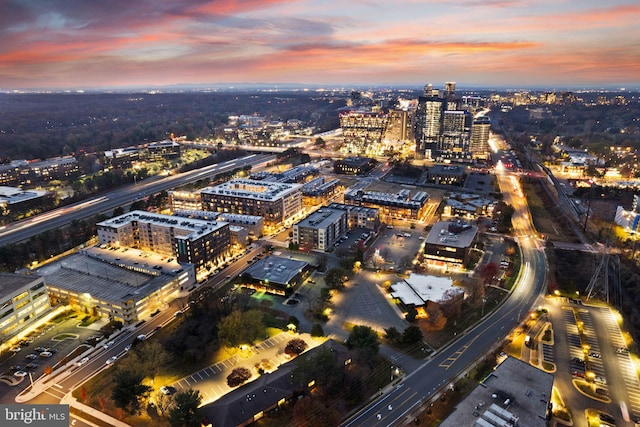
{"x":360,"y":216}
{"x":192,"y":241}
{"x":400,"y":206}
{"x":450,"y":242}
{"x":24,"y":301}
{"x":321,"y":229}
{"x":278,"y":203}
{"x":480,"y":130}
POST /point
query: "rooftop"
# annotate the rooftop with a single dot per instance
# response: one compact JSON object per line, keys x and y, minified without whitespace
{"x":112,"y":275}
{"x":515,"y":390}
{"x":13,"y":282}
{"x":252,"y":189}
{"x":194,"y":228}
{"x":321,"y":218}
{"x":11,"y":195}
{"x":418,"y":289}
{"x":455,"y":234}
{"x":276,"y":269}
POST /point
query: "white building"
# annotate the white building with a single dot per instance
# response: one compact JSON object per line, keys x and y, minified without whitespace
{"x":24,"y":300}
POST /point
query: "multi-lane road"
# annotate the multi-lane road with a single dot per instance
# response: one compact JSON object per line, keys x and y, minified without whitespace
{"x":23,"y":230}
{"x":441,"y":370}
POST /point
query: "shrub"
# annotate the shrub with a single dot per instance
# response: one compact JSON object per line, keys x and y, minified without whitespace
{"x":295,"y":347}
{"x":238,"y":376}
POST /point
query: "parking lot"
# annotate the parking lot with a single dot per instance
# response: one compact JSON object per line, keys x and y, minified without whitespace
{"x":45,"y":346}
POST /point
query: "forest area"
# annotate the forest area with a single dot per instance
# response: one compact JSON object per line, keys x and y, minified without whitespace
{"x":40,"y":126}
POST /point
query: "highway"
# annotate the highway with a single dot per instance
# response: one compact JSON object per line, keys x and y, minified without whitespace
{"x":23,"y":230}
{"x":401,"y":403}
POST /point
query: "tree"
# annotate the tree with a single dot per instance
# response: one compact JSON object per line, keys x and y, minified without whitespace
{"x":185,"y":412}
{"x":240,"y":328}
{"x":451,"y":303}
{"x":163,"y":402}
{"x":392,"y":335}
{"x":128,"y":391}
{"x":149,"y":357}
{"x":488,"y":272}
{"x":411,"y":335}
{"x":316,"y":330}
{"x":435,"y":320}
{"x":365,"y":342}
{"x":321,"y":367}
{"x":334,"y":277}
{"x":238,"y":376}
{"x":295,"y":347}
{"x":309,"y":412}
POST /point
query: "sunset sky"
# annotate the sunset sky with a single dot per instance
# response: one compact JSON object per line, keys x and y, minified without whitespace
{"x":84,"y":44}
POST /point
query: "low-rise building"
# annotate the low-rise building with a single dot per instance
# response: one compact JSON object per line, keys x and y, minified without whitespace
{"x":418,"y":289}
{"x":277,"y":275}
{"x":24,"y":300}
{"x":400,"y":206}
{"x":360,"y":216}
{"x":514,"y":394}
{"x":320,"y":229}
{"x":354,"y":165}
{"x":180,"y":200}
{"x":450,"y":241}
{"x":162,"y":150}
{"x":14,"y":195}
{"x":123,"y":284}
{"x":318,"y":190}
{"x":446,"y":175}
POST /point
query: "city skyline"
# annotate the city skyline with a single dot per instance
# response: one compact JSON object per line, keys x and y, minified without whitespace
{"x":500,"y":43}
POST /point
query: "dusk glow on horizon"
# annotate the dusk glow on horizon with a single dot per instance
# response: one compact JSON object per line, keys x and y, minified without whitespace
{"x":79,"y":44}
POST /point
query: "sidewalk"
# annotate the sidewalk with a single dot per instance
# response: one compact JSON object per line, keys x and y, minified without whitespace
{"x":68,"y":399}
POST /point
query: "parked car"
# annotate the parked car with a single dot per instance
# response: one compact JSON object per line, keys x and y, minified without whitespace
{"x":40,"y":349}
{"x":167,"y":390}
{"x":15,"y":349}
{"x":32,"y":366}
{"x":31,"y":356}
{"x":128,"y":347}
{"x":46,"y":354}
{"x":20,"y":374}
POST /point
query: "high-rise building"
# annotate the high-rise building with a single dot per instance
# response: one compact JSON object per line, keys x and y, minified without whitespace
{"x":441,"y":126}
{"x":361,"y":129}
{"x":427,"y":124}
{"x":479,"y":145}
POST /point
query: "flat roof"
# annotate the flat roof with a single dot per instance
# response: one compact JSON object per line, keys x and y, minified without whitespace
{"x":450,"y":169}
{"x":440,"y":235}
{"x":514,"y":389}
{"x":109,"y":275}
{"x":12,"y":282}
{"x":481,"y":182}
{"x":252,"y":189}
{"x":276,"y":269}
{"x":417,"y":289}
{"x":11,"y":195}
{"x":195,"y":228}
{"x":322,"y":218}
